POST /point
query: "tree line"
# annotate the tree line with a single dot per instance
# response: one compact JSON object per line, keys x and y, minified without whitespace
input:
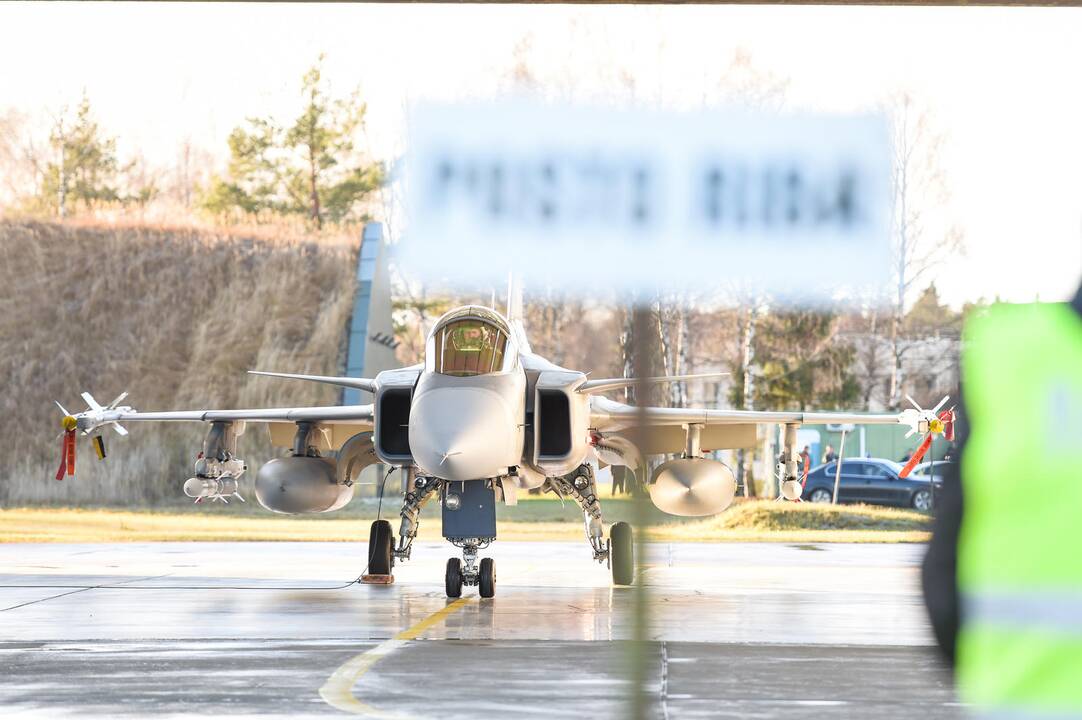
{"x":311,"y":166}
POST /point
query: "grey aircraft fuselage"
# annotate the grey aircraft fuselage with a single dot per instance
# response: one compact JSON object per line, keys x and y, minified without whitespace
{"x":476,"y":427}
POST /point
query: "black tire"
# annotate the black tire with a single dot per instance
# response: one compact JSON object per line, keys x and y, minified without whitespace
{"x":453,"y":578}
{"x":380,"y":548}
{"x":622,"y":554}
{"x":922,"y":500}
{"x":820,"y":495}
{"x":487,"y":579}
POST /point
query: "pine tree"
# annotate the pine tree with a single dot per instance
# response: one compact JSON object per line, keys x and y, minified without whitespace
{"x":310,"y":168}
{"x":801,"y":363}
{"x":84,"y":169}
{"x":929,"y":316}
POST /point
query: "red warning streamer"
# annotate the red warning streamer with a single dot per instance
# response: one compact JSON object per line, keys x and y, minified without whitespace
{"x":916,"y":456}
{"x":67,"y":455}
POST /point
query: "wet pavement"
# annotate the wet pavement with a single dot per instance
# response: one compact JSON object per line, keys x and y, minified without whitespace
{"x":275,"y":629}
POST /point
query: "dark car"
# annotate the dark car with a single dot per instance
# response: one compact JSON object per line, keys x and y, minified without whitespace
{"x":871,"y":481}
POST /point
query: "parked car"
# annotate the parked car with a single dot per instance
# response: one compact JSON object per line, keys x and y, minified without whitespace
{"x":924,"y":469}
{"x":869,"y":480}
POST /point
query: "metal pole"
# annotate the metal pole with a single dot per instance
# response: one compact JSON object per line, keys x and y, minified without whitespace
{"x":838,"y":470}
{"x":931,"y":477}
{"x":640,"y":661}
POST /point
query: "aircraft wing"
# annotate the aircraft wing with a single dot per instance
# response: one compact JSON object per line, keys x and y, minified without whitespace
{"x":608,"y":414}
{"x":663,"y":431}
{"x":351,"y":414}
{"x":97,"y":416}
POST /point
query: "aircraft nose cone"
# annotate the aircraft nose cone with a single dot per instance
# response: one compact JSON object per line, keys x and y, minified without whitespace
{"x":463,"y":433}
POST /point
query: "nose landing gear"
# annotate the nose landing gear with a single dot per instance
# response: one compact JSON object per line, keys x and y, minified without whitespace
{"x":468,"y":572}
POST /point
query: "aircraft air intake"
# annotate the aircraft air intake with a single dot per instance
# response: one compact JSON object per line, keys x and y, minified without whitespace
{"x":692,"y":487}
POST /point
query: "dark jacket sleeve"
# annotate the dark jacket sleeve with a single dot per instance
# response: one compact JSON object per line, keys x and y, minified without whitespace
{"x":939,"y":573}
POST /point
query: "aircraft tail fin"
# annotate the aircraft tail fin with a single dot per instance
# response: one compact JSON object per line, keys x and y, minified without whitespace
{"x":515,"y":312}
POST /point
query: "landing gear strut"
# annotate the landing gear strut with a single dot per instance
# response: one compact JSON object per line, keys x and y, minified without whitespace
{"x":418,"y":492}
{"x":381,"y":547}
{"x":788,"y":467}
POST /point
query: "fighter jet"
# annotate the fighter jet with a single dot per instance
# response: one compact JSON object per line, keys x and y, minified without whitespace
{"x":480,"y":421}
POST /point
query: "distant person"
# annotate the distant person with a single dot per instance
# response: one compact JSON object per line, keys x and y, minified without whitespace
{"x":1002,"y":578}
{"x":619,"y":475}
{"x":830,"y":455}
{"x":805,"y":459}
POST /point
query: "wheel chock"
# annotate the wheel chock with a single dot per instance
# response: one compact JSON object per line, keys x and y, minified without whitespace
{"x":377,"y":579}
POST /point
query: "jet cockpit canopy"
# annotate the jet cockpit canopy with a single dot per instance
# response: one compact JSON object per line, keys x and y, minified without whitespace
{"x":470,"y":340}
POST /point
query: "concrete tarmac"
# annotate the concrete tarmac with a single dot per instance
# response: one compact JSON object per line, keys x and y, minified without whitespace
{"x":276,"y":629}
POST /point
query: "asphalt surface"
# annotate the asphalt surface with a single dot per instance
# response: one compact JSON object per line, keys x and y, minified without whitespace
{"x":274,"y":629}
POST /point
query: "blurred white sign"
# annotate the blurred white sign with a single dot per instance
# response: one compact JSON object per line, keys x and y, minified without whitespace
{"x":638,"y":201}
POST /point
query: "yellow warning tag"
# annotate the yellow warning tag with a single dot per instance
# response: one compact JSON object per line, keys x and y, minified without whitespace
{"x":99,"y":446}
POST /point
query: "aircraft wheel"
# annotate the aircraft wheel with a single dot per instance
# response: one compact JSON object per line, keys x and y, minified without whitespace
{"x":380,"y":548}
{"x":487,"y":578}
{"x":453,"y":578}
{"x":622,"y":554}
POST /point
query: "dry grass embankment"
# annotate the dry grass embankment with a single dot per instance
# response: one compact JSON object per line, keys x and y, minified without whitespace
{"x":761,"y":521}
{"x":175,"y":316}
{"x":805,"y":522}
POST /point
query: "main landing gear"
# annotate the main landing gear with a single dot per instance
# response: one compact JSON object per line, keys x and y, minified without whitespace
{"x":619,"y":550}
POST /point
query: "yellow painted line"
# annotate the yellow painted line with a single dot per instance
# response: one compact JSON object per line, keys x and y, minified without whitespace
{"x":338,"y":690}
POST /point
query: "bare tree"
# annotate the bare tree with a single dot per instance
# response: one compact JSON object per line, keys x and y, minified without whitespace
{"x":922,"y":236}
{"x":142,"y":181}
{"x":18,"y":158}
{"x":521,"y":76}
{"x":869,"y":357}
{"x":194,"y":169}
{"x":744,"y":83}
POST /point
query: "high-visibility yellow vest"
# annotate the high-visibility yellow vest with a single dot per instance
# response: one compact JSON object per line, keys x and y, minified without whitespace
{"x":1020,"y":547}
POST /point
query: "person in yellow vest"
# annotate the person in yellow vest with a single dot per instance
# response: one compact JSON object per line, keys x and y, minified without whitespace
{"x":1002,"y":578}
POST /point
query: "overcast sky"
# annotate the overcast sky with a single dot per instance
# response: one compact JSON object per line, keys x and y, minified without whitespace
{"x":1002,"y":84}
